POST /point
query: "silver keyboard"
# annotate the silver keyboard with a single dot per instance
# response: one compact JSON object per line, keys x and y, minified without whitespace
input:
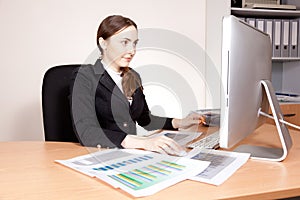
{"x":208,"y":142}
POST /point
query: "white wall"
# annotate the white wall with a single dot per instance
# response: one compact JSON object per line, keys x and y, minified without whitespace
{"x":217,"y":10}
{"x":38,"y":34}
{"x":290,"y":77}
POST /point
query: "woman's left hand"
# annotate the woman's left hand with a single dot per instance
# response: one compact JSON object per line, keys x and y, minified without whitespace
{"x":190,"y":120}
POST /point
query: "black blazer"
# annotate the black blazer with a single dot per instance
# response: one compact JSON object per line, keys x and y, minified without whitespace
{"x":101,"y":113}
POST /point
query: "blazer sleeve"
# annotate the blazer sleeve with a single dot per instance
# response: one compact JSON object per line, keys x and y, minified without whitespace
{"x":85,"y":122}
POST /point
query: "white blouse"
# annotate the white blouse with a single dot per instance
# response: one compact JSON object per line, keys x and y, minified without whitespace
{"x":116,"y":76}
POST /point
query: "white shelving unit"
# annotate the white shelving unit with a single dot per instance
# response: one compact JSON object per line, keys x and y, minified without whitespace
{"x":285,"y":69}
{"x":246,"y":12}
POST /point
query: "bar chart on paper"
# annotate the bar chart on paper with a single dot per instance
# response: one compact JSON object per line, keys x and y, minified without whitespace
{"x":142,"y":171}
{"x":137,"y":172}
{"x":148,"y":175}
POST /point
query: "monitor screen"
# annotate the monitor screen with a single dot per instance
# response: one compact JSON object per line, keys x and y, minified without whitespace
{"x":246,"y":62}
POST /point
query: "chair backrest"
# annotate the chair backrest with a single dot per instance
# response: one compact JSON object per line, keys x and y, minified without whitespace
{"x":56,"y":105}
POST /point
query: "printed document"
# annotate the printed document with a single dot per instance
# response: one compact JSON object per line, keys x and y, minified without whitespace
{"x":222,"y":164}
{"x":140,"y":173}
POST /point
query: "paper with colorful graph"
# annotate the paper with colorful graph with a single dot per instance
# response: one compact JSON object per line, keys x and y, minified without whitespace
{"x":140,"y":173}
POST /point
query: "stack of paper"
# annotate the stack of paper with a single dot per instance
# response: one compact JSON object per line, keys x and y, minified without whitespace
{"x":140,"y":173}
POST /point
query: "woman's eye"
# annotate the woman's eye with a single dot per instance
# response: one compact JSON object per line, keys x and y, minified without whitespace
{"x":124,"y":43}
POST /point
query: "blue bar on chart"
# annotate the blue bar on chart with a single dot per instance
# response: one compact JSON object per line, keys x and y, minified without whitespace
{"x":124,"y":163}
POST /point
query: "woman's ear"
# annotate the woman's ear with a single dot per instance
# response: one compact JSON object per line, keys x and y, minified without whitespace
{"x":102,"y":43}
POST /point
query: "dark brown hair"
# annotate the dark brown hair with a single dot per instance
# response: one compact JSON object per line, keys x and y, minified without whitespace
{"x":108,"y":27}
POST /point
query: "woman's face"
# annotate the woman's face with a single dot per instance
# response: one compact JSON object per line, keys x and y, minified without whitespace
{"x":119,"y":49}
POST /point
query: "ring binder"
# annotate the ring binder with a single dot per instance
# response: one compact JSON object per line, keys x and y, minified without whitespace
{"x":294,"y":40}
{"x":277,"y":38}
{"x":285,"y":42}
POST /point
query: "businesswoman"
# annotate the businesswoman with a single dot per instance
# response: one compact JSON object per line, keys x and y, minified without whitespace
{"x":107,"y":97}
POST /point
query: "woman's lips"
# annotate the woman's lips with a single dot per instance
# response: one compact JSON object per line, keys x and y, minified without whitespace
{"x":128,"y":59}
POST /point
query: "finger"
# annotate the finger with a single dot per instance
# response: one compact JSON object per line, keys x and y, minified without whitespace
{"x":169,"y":145}
{"x":203,"y":120}
{"x":168,"y":150}
{"x":173,"y":145}
{"x":196,"y":121}
{"x":194,"y":115}
{"x":196,"y":118}
{"x":161,"y":150}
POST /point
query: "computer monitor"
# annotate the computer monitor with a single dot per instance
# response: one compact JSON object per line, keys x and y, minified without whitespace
{"x":247,"y":90}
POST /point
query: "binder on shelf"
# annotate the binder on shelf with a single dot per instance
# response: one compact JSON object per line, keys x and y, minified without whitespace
{"x":251,"y":21}
{"x":294,"y":38}
{"x":260,"y":23}
{"x":277,"y":38}
{"x":285,"y":42}
{"x":269,"y":28}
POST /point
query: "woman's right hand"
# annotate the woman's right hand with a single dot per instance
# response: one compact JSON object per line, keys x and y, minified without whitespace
{"x":160,"y":144}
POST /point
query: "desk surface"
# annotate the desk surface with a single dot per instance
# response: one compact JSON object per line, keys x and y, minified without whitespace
{"x":28,"y":171}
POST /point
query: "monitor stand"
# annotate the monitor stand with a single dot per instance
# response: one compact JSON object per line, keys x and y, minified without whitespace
{"x":267,"y":153}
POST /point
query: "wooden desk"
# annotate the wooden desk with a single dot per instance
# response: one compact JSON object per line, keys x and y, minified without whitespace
{"x":28,"y":171}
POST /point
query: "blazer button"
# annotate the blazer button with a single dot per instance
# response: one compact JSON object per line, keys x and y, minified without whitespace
{"x":125,"y":124}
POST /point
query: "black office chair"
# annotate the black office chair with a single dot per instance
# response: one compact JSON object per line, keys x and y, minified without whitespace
{"x":56,"y":105}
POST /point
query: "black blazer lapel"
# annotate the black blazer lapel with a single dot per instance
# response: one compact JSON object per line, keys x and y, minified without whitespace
{"x":108,"y":82}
